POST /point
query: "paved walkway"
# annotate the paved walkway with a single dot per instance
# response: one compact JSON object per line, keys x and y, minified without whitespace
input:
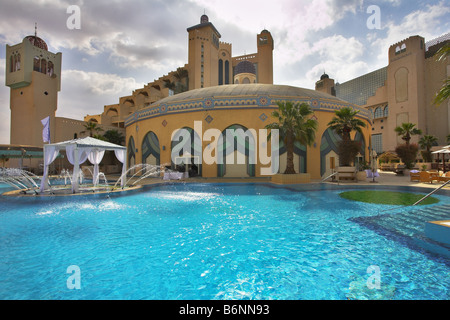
{"x":385,"y":178}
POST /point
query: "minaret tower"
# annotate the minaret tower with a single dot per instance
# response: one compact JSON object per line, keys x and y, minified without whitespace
{"x":203,"y":54}
{"x":265,"y":57}
{"x":34,"y":75}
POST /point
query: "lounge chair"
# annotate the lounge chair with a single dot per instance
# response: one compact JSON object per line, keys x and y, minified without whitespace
{"x":399,"y":170}
{"x":415,"y":176}
{"x":444,"y":178}
{"x":425,"y":176}
{"x":434,"y":175}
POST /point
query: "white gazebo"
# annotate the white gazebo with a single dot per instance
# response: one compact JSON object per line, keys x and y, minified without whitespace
{"x":78,"y":151}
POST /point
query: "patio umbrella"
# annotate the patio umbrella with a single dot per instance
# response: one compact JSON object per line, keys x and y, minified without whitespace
{"x":443,"y":152}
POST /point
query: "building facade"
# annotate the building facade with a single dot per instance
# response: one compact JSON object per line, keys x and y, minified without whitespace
{"x":210,"y":63}
{"x":401,"y":92}
{"x":34,"y":76}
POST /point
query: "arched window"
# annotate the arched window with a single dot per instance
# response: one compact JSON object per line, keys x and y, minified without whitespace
{"x":403,"y":48}
{"x":11,"y":63}
{"x":36,"y":64}
{"x":150,"y":149}
{"x":50,"y":68}
{"x":220,"y":72}
{"x":44,"y":66}
{"x":378,"y":113}
{"x":246,"y":80}
{"x":227,"y":72}
{"x":17,"y":64}
{"x":386,"y":111}
{"x":131,"y":158}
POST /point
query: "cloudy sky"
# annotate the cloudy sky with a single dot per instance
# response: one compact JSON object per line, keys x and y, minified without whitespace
{"x":122,"y":45}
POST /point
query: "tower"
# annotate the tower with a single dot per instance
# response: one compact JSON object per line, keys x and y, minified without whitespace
{"x":203,"y":58}
{"x":406,"y":90}
{"x":265,"y":57}
{"x":325,"y":84}
{"x":34,"y":75}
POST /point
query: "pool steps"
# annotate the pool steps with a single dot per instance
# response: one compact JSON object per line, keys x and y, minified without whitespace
{"x":409,"y":227}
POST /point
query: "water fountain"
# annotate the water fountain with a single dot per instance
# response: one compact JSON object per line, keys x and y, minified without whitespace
{"x":19,"y":179}
{"x":140,"y":172}
{"x":29,"y":183}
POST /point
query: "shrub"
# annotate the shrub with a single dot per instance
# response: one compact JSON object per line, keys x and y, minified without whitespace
{"x":407,"y":153}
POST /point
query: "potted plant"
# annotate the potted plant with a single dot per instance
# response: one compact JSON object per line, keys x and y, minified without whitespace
{"x":361,"y":174}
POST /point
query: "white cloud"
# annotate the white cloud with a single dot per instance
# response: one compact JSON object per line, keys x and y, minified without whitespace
{"x":426,"y":23}
{"x":85,"y":93}
{"x":338,"y":56}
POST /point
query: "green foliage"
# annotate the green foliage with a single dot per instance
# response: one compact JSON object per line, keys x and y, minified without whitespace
{"x":406,"y":130}
{"x":345,"y":122}
{"x":114,"y":136}
{"x":444,"y":93}
{"x":294,"y":123}
{"x":408,"y":154}
{"x":426,"y":142}
{"x":347,"y":150}
{"x":386,"y":197}
{"x":91,"y":127}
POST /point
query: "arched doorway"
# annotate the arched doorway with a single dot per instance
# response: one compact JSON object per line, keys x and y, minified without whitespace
{"x":150,"y":149}
{"x":186,"y":140}
{"x":131,"y":155}
{"x":299,"y":157}
{"x":237,"y":147}
{"x":329,"y":158}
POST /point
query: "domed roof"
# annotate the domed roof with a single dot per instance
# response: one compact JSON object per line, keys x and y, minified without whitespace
{"x":204,"y":19}
{"x":37,"y":42}
{"x":257,"y":89}
{"x":233,"y":95}
{"x":324,"y":76}
{"x":245,"y":67}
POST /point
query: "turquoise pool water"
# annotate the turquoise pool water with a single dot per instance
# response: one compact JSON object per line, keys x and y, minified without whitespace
{"x":208,"y":241}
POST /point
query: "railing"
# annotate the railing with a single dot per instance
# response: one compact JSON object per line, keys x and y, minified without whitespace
{"x":435,"y":190}
{"x":331,"y":175}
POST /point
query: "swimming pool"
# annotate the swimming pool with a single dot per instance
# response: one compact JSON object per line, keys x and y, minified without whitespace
{"x":209,"y":241}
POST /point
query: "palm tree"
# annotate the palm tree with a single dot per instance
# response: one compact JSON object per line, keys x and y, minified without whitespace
{"x":345,"y":122}
{"x":406,"y":130}
{"x":294,"y":124}
{"x":426,"y":142}
{"x":114,"y":136}
{"x":91,"y":127}
{"x":444,"y":93}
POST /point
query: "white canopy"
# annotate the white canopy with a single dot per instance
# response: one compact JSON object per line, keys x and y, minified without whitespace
{"x":78,"y":151}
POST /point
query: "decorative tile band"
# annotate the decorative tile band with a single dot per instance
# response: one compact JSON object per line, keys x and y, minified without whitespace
{"x":237,"y":103}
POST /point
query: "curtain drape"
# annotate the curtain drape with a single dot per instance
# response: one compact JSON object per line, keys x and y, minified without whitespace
{"x":95,"y":157}
{"x":76,"y":156}
{"x":50,"y":154}
{"x":121,"y":156}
